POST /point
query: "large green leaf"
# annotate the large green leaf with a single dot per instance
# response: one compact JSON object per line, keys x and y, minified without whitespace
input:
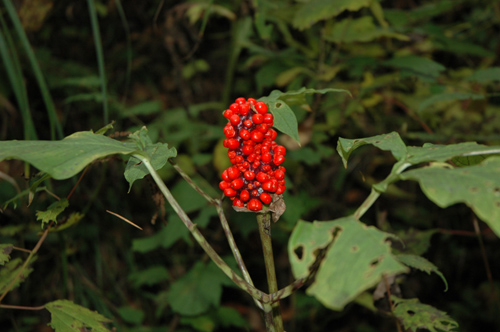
{"x":417,"y":316}
{"x":69,"y":317}
{"x":477,"y":186}
{"x":316,"y":10}
{"x":65,"y":158}
{"x":387,"y":142}
{"x":198,"y":290}
{"x":355,"y":258}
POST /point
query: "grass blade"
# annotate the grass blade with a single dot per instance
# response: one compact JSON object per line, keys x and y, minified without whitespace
{"x":100,"y":58}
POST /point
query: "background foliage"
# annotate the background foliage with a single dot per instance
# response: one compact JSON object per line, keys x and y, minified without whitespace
{"x":428,"y":70}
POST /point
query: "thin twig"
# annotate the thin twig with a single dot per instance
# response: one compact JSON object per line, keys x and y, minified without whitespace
{"x":483,"y":253}
{"x":19,"y":307}
{"x":391,"y":305}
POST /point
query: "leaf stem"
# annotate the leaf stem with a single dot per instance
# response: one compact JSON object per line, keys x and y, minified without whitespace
{"x":264,"y":221}
{"x":240,"y":282}
{"x":374,"y":194}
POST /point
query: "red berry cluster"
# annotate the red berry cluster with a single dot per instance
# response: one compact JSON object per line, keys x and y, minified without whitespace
{"x":256,"y":172}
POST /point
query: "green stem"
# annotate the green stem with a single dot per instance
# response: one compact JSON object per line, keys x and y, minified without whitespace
{"x":240,"y":282}
{"x":374,"y":194}
{"x":264,"y":221}
{"x":224,"y":223}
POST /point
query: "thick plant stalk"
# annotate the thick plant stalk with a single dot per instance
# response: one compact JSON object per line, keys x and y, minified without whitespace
{"x":273,"y":319}
{"x":240,"y":282}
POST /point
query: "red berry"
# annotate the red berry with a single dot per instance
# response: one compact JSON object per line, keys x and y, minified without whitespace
{"x":279,"y":174}
{"x":244,"y":195}
{"x":237,"y":183}
{"x":265,"y":198}
{"x":224,"y":185}
{"x":248,"y":123}
{"x":235,"y":119}
{"x":278,"y":159}
{"x":232,"y":143}
{"x":229,"y":131}
{"x":245,"y":134}
{"x":225,"y":177}
{"x":256,"y":136}
{"x":261,"y":107}
{"x":247,"y":149}
{"x":252,"y":101}
{"x":257,"y":118}
{"x":238,"y":202}
{"x":249,"y":175}
{"x":262,"y":177}
{"x":240,"y":100}
{"x":280,"y":190}
{"x":235,"y":107}
{"x":229,"y":192}
{"x":233,"y":172}
{"x":268,"y":118}
{"x":270,"y":185}
{"x":266,"y":158}
{"x":254,"y":205}
{"x":279,"y":149}
{"x":244,"y":108}
{"x":228,"y":113}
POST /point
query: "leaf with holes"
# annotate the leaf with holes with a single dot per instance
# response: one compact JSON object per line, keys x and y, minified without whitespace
{"x":350,"y":257}
{"x":422,"y":264}
{"x":415,"y":316}
{"x":69,"y":317}
{"x":387,"y":142}
{"x":477,"y":186}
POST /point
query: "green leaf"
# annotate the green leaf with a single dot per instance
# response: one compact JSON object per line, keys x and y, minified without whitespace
{"x":5,"y":250}
{"x":448,"y":96}
{"x":477,"y":186}
{"x":279,"y":105}
{"x":415,"y":315}
{"x":72,"y":220}
{"x":151,"y":276}
{"x":198,"y":290}
{"x":418,"y":65}
{"x":158,"y":154}
{"x":468,"y":160}
{"x":433,"y":152}
{"x":362,"y":29}
{"x":52,"y":211}
{"x":131,"y":315}
{"x":355,"y":258}
{"x":10,"y":270}
{"x":387,"y":142}
{"x":284,"y":118}
{"x":69,"y":317}
{"x":65,"y":158}
{"x":422,"y":264}
{"x":316,"y":10}
{"x":485,"y":75}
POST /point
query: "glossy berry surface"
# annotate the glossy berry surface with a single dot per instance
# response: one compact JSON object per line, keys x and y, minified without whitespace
{"x":256,"y":159}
